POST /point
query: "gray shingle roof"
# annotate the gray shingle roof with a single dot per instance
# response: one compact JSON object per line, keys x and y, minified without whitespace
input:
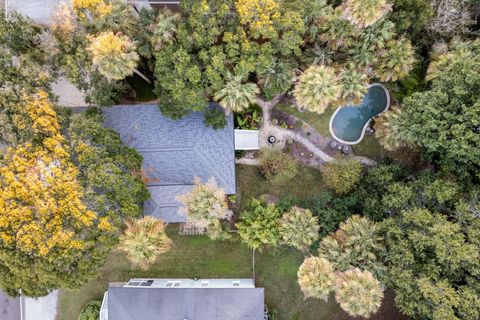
{"x":175,"y":152}
{"x":185,"y":303}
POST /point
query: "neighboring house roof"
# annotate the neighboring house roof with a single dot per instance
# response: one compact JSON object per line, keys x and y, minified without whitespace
{"x":185,"y":303}
{"x":175,"y":152}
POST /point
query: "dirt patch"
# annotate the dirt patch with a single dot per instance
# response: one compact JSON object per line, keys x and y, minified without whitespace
{"x":387,"y":311}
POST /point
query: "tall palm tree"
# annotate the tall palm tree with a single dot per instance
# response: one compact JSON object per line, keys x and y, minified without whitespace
{"x":165,"y":29}
{"x":316,"y":278}
{"x":364,"y":13}
{"x":396,"y":60}
{"x":388,"y":129}
{"x":357,"y":243}
{"x":236,"y":95}
{"x":317,"y":88}
{"x":336,"y":31}
{"x":354,"y":86}
{"x":143,"y":240}
{"x":115,"y":56}
{"x":299,"y":228}
{"x":358,"y":293}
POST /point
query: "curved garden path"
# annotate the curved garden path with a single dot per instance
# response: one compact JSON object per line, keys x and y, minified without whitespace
{"x":319,"y":157}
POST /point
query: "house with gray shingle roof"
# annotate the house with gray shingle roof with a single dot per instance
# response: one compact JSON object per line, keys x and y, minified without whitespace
{"x":174,"y":153}
{"x":183,"y":299}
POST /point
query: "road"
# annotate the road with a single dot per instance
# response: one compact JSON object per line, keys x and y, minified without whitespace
{"x":9,"y":307}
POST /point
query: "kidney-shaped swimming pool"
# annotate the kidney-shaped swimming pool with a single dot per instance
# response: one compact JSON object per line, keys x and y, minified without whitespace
{"x":348,"y":123}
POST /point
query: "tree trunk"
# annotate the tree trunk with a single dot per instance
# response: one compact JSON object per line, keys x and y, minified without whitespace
{"x":142,"y":76}
{"x":253,"y":265}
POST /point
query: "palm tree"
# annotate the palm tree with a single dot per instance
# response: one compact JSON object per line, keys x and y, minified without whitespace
{"x":236,"y":95}
{"x":165,"y":29}
{"x":336,"y":31}
{"x":115,"y":56}
{"x":143,"y":240}
{"x":388,"y":129}
{"x":205,"y":205}
{"x":364,"y":13}
{"x":354,"y":86}
{"x":317,"y":88}
{"x":316,"y":278}
{"x":299,"y":228}
{"x":356,"y":244}
{"x":396,"y":60}
{"x":358,"y":293}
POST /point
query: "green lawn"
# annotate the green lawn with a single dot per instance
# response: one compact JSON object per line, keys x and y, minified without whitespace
{"x":198,"y":257}
{"x":368,"y":147}
{"x":251,"y":184}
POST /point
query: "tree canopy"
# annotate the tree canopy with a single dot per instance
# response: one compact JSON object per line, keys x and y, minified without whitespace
{"x":433,"y":264}
{"x":216,"y":38}
{"x":49,"y":237}
{"x":443,"y":121}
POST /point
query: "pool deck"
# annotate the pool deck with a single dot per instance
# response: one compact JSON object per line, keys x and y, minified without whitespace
{"x":366,"y":123}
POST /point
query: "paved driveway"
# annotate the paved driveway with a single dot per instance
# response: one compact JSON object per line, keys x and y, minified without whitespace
{"x":38,"y":10}
{"x":9,"y":307}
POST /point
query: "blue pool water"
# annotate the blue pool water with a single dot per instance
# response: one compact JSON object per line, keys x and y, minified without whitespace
{"x":348,"y":124}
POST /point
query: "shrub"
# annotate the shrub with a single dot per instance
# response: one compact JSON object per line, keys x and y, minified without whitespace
{"x":277,"y":166}
{"x":342,"y":175}
{"x":330,"y":210}
{"x":259,"y":226}
{"x":91,"y":311}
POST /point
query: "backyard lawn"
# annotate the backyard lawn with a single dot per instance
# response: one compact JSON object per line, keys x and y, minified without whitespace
{"x":199,"y":257}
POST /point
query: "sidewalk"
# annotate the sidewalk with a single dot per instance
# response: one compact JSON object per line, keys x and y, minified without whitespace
{"x":44,"y":308}
{"x":9,"y":307}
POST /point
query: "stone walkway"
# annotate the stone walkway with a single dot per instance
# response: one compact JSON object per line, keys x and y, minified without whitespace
{"x":314,"y":142}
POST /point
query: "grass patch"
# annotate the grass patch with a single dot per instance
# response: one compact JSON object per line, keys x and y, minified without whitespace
{"x":250,"y":184}
{"x":318,"y":121}
{"x":368,"y":147}
{"x":199,"y":257}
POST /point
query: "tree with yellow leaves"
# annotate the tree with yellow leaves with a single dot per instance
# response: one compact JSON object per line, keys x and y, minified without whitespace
{"x":115,"y":56}
{"x":259,"y":15}
{"x":48,"y":237}
{"x":87,"y":9}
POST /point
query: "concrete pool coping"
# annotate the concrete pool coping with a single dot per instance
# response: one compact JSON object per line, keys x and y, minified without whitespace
{"x":366,"y":123}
